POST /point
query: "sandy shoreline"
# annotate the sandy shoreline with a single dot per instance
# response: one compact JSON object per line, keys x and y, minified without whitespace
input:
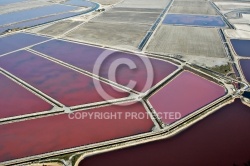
{"x":46,"y":164}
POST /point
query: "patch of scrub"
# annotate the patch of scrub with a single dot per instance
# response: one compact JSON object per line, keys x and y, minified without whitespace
{"x":223,"y":69}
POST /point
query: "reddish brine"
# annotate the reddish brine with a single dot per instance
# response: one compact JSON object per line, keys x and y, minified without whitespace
{"x":183,"y":95}
{"x":65,"y":85}
{"x":220,"y":139}
{"x":132,"y":67}
{"x":15,"y":100}
{"x":59,"y":132}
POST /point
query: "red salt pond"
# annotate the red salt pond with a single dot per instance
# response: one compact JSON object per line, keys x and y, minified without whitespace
{"x":64,"y":85}
{"x":37,"y":136}
{"x":16,"y":100}
{"x":85,"y":57}
{"x":183,"y":95}
{"x":245,"y":66}
{"x":18,"y":41}
{"x":218,"y":140}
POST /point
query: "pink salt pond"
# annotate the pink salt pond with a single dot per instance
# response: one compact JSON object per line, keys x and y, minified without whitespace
{"x":86,"y":57}
{"x":60,"y":132}
{"x":220,"y":139}
{"x":65,"y":85}
{"x":185,"y":94}
{"x":16,"y":100}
